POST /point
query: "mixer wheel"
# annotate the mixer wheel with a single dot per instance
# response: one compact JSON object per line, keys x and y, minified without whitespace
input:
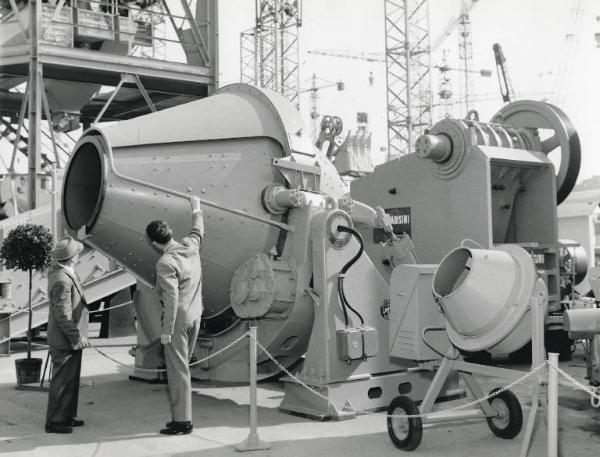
{"x":405,"y":432}
{"x":507,"y":424}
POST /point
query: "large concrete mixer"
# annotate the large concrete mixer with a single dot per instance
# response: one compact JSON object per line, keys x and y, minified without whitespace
{"x":279,"y":246}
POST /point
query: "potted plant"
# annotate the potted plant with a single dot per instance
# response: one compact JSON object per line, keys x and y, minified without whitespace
{"x":27,"y":248}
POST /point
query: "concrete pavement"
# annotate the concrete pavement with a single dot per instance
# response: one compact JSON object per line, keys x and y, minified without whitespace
{"x":123,"y":418}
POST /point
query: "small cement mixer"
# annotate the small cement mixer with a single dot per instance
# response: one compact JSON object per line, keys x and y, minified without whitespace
{"x":279,"y":245}
{"x":491,"y":299}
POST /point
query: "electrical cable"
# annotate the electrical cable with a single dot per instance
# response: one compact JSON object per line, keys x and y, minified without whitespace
{"x":344,"y":270}
{"x":362,"y":321}
{"x":340,"y":286}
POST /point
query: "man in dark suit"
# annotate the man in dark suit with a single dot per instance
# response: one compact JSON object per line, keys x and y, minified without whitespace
{"x":179,"y":288}
{"x":67,"y":336}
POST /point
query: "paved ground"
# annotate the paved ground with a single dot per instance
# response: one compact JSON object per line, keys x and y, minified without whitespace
{"x":123,"y":417}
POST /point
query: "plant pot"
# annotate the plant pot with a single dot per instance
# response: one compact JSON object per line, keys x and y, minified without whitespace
{"x":28,"y":371}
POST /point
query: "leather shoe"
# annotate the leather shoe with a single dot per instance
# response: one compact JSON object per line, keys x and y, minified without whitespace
{"x":178,"y":428}
{"x":170,"y":423}
{"x":75,"y":422}
{"x":58,"y":428}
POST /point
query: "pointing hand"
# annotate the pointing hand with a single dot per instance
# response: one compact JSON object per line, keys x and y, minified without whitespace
{"x":195,"y":203}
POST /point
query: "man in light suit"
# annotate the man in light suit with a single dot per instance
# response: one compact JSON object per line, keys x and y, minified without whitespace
{"x":179,"y":288}
{"x":67,"y":336}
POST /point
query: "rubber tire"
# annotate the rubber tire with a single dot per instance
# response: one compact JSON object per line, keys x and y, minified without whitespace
{"x":404,"y":405}
{"x":515,"y":415}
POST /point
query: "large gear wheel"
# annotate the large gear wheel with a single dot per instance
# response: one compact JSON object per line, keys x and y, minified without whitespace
{"x":531,"y":116}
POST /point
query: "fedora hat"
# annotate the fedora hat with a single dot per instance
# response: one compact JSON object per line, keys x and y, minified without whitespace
{"x":66,"y":248}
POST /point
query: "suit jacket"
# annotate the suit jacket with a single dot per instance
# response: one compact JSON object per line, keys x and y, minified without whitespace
{"x":179,"y":279}
{"x":68,"y":316}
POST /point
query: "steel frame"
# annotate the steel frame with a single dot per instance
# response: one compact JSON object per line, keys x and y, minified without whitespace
{"x":37,"y":60}
{"x":269,"y":52}
{"x":408,"y":69}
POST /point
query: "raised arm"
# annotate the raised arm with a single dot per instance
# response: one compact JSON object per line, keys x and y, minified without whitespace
{"x":197,"y":232}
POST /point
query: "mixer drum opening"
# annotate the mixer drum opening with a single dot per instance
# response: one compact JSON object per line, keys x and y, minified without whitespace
{"x":452,"y":272}
{"x":84,"y":185}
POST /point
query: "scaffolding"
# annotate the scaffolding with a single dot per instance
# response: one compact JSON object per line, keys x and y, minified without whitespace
{"x":70,"y":64}
{"x":56,"y":57}
{"x":408,"y":68}
{"x":269,"y":51}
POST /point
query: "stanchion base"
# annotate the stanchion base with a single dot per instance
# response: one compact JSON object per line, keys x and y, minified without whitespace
{"x":252,"y":443}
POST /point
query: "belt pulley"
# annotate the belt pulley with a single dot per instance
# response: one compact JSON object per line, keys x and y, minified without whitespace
{"x":553,"y":131}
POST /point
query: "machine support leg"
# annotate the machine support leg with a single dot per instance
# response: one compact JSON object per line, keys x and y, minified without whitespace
{"x":552,"y":405}
{"x":537,"y":357}
{"x":535,"y":402}
{"x":253,"y":442}
{"x":436,"y":386}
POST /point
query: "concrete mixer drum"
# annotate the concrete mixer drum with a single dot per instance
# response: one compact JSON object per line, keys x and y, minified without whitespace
{"x":123,"y":176}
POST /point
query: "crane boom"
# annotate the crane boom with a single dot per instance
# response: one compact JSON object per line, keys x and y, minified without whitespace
{"x":465,"y":9}
{"x":506,"y":88}
{"x":368,"y":56}
{"x":565,"y":69}
{"x":379,"y":57}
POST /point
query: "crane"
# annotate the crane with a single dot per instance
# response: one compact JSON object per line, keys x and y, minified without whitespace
{"x":444,"y":91}
{"x":408,"y":64}
{"x":380,"y":57}
{"x":314,"y":100}
{"x":269,"y":51}
{"x":465,"y":10}
{"x":408,"y":52}
{"x":465,"y":46}
{"x":506,"y":87}
{"x":565,"y":69}
{"x":347,"y":54}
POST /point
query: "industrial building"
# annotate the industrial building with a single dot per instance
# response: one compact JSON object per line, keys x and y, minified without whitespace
{"x":399,"y":249}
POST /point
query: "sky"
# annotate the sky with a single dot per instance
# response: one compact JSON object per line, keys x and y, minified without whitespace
{"x":531,"y":32}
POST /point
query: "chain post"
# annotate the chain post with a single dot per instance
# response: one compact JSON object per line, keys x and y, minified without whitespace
{"x":253,"y":442}
{"x":552,"y":405}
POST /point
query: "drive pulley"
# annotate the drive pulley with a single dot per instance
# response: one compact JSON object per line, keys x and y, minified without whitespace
{"x":526,"y":124}
{"x":551,"y":130}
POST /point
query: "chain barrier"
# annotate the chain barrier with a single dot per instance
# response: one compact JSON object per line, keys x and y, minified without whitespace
{"x":408,"y":416}
{"x":592,"y":392}
{"x":103,"y":310}
{"x":474,"y":402}
{"x":163,"y":370}
{"x":159,"y":370}
{"x":111,"y":308}
{"x":287,"y":372}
